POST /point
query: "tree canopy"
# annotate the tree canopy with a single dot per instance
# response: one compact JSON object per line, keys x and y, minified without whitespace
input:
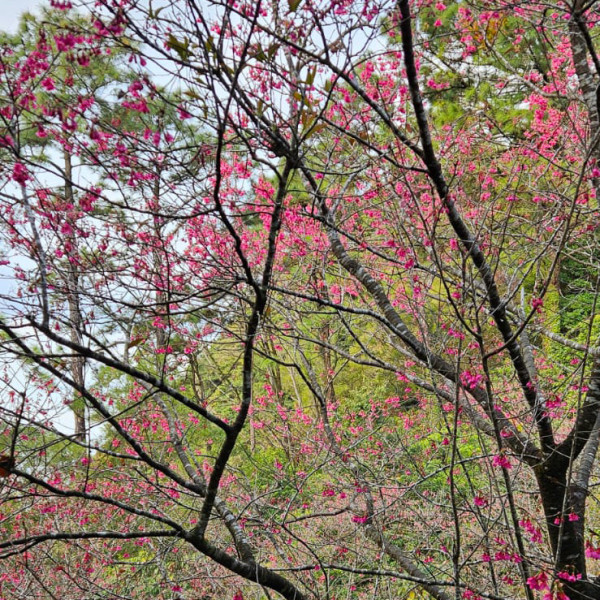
{"x":299,"y":300}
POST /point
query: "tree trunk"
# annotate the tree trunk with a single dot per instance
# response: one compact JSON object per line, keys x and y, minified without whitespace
{"x":77,"y":362}
{"x":566,"y":533}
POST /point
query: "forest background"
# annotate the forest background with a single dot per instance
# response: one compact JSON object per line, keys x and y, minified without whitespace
{"x":299,"y":299}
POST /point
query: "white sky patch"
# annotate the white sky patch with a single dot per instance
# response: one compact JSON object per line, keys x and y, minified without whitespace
{"x":12,"y":10}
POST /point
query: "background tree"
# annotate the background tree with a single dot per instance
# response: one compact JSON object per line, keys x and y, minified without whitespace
{"x":339,"y":314}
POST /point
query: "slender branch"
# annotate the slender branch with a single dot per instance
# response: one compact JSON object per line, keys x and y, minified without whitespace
{"x":33,"y":540}
{"x":498,"y":307}
{"x":123,"y":367}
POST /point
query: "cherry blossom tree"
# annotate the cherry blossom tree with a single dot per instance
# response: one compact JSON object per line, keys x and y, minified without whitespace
{"x":328,"y":274}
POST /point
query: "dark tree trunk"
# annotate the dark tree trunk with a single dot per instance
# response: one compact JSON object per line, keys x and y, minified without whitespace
{"x":566,"y":532}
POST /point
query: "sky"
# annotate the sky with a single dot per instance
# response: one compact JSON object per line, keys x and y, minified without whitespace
{"x":11,"y":11}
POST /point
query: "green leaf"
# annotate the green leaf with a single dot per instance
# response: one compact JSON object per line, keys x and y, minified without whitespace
{"x":182,"y":48}
{"x":294,"y":4}
{"x":310,"y":78}
{"x":153,"y":14}
{"x":259,"y":53}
